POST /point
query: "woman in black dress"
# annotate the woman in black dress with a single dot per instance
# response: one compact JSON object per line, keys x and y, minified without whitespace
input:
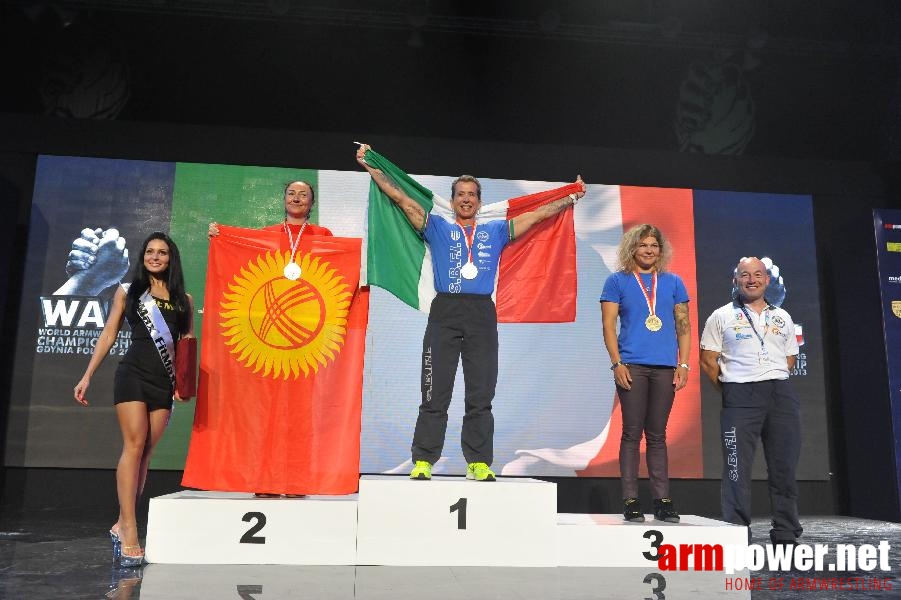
{"x":159,"y":312}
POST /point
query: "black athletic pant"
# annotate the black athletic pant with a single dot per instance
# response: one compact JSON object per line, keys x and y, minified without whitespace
{"x":769,"y":411}
{"x":646,"y":409}
{"x":460,"y":325}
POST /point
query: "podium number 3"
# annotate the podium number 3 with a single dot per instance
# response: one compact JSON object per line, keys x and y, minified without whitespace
{"x":460,"y":507}
{"x":657,"y":539}
{"x":249,"y":537}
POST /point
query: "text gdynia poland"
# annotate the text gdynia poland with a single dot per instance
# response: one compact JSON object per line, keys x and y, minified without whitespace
{"x":818,"y":558}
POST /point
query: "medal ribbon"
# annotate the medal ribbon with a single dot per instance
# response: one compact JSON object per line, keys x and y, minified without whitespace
{"x":652,"y":299}
{"x":294,"y":244}
{"x":468,"y":238}
{"x":766,"y":324}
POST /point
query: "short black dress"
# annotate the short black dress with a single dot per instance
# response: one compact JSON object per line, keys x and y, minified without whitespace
{"x":141,"y":375}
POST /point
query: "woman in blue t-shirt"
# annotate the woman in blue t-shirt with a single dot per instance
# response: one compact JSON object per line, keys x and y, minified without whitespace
{"x":649,"y":359}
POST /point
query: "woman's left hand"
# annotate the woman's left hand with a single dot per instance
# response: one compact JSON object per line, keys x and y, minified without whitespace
{"x":680,"y":378}
{"x":582,"y":183}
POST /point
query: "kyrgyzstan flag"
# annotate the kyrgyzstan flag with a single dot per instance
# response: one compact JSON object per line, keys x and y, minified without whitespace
{"x":281,"y":367}
{"x":537,"y":274}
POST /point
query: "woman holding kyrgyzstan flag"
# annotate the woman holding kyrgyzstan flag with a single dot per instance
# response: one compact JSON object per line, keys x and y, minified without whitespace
{"x":462,"y":317}
{"x":299,"y":199}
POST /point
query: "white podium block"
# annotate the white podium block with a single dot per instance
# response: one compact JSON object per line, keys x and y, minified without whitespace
{"x":451,"y":521}
{"x":235,"y":528}
{"x":594,"y":540}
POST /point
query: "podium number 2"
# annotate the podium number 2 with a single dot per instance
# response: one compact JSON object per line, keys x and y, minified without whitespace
{"x":460,"y":507}
{"x":246,"y":592}
{"x":249,"y":537}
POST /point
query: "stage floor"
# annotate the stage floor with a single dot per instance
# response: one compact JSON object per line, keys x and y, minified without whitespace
{"x":54,"y":555}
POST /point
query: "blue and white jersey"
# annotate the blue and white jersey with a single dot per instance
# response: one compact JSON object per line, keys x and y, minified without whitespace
{"x":449,"y":253}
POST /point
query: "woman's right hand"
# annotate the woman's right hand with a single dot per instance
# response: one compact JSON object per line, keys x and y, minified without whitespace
{"x":623,"y":377}
{"x":361,"y":152}
{"x":213,"y":231}
{"x":80,"y":389}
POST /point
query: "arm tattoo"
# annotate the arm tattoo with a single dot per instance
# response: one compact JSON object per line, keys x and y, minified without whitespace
{"x":683,"y":326}
{"x":384,"y":178}
{"x":552,"y":208}
{"x":415,"y":214}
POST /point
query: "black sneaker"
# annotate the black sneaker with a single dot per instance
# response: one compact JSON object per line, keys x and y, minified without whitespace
{"x":665,"y":511}
{"x":783,"y":540}
{"x":632,"y":510}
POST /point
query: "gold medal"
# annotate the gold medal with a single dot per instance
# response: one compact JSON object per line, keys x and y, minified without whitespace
{"x":653,"y":323}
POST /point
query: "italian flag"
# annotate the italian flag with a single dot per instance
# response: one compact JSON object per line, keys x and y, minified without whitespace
{"x":536,"y":280}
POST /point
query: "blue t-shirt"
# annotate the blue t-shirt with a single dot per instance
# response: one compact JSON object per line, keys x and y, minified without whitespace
{"x":449,"y":254}
{"x":637,"y":344}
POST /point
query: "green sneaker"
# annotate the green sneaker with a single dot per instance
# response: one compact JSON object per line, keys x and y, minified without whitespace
{"x":421,"y":470}
{"x":479,"y":471}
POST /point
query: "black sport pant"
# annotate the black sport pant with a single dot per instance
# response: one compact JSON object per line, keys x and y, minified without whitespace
{"x":459,"y":325}
{"x":646,"y":409}
{"x":769,"y":411}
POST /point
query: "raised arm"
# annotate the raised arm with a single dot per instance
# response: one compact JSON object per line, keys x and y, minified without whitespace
{"x":521,"y":224}
{"x":412,"y":210}
{"x":104,"y":344}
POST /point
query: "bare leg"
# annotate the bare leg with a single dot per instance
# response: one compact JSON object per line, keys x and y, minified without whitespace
{"x":134,"y":423}
{"x":159,"y":419}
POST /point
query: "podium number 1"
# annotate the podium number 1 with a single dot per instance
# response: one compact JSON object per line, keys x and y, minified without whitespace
{"x":460,"y":507}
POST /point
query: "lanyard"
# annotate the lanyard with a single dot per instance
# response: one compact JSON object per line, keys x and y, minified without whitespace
{"x":766,"y":324}
{"x":652,"y":299}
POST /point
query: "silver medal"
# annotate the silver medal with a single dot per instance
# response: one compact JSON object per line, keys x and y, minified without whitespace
{"x":292,"y":271}
{"x":469,"y":271}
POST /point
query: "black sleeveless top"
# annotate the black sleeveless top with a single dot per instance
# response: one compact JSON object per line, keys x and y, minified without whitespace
{"x":141,"y":374}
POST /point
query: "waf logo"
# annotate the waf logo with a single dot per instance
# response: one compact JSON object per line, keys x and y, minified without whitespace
{"x":282,"y":328}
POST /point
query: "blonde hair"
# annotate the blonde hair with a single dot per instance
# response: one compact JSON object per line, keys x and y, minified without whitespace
{"x":627,"y":246}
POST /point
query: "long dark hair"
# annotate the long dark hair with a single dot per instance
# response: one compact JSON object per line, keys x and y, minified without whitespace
{"x":174,"y":276}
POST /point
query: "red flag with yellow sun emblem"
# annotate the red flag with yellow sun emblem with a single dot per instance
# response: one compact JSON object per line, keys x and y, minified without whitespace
{"x":281,"y":367}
